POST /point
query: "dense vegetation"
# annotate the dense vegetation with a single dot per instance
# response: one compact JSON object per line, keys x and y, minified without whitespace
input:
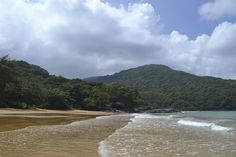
{"x":163,"y":87}
{"x":23,"y":85}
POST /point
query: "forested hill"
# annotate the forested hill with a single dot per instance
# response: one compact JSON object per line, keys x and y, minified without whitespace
{"x":162,"y":87}
{"x":23,"y":85}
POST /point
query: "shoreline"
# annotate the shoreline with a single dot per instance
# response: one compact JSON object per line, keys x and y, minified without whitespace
{"x":13,"y":119}
{"x":52,"y":139}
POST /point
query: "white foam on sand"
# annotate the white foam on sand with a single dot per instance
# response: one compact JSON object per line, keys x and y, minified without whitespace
{"x":103,"y":149}
{"x":212,"y":126}
{"x":149,"y":116}
{"x":103,"y":117}
{"x":108,"y":147}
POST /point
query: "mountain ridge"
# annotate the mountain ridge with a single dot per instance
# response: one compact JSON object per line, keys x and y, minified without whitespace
{"x":160,"y":65}
{"x":163,"y":87}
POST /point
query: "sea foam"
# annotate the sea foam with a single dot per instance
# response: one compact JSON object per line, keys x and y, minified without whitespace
{"x":150,"y":116}
{"x":212,"y":126}
{"x":102,"y":150}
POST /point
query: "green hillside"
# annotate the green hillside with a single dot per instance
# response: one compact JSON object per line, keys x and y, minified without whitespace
{"x":163,"y":87}
{"x":23,"y":85}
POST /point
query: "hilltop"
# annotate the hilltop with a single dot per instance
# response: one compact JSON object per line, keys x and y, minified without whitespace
{"x":163,"y":87}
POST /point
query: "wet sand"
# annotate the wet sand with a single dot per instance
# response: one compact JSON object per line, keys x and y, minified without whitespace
{"x":162,"y":136}
{"x":55,"y":133}
{"x":11,"y":119}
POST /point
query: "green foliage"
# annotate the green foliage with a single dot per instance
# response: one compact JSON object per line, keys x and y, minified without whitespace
{"x":33,"y":93}
{"x":90,"y":103}
{"x":22,"y":105}
{"x":163,"y":87}
{"x":6,"y":75}
{"x":23,"y":85}
{"x":58,"y":99}
{"x":125,"y":94}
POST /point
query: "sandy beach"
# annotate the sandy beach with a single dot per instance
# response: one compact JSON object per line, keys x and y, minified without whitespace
{"x":38,"y":133}
{"x":11,"y":119}
{"x":10,"y":111}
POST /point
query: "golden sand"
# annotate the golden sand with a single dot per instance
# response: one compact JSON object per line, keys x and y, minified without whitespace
{"x":10,"y":111}
{"x":11,"y":119}
{"x":40,"y":133}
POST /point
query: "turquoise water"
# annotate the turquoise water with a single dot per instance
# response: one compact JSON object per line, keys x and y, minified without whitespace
{"x":210,"y":114}
{"x":221,"y":120}
{"x":185,"y":134}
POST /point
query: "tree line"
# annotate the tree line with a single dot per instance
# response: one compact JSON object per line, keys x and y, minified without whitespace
{"x":23,"y":85}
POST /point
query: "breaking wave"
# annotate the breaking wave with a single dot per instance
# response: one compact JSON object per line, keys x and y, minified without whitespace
{"x":212,"y":126}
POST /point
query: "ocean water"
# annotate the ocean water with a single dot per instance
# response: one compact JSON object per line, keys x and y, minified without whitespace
{"x":185,"y":134}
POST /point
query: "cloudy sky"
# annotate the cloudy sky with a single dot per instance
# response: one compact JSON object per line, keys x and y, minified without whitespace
{"x":82,"y":38}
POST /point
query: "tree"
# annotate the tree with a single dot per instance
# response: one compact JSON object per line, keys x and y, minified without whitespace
{"x":6,"y":75}
{"x":58,"y":99}
{"x":78,"y":93}
{"x":124,"y":97}
{"x":33,"y":93}
{"x":90,"y":104}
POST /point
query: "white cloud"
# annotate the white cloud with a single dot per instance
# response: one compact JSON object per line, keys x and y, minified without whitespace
{"x":206,"y":55}
{"x":80,"y":38}
{"x":218,"y":9}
